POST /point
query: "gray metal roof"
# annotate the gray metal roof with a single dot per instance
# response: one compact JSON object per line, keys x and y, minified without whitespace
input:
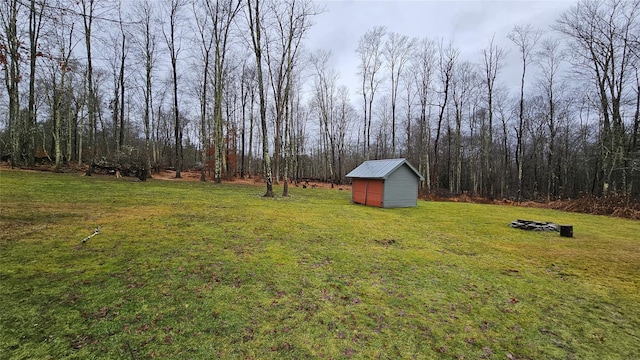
{"x":380,"y":169}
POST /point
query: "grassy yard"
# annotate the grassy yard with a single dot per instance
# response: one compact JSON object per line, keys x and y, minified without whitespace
{"x":198,"y":270}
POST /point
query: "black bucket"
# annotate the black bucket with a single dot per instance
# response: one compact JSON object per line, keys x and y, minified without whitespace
{"x":566,"y":230}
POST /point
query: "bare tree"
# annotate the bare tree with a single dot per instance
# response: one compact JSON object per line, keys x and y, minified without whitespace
{"x":10,"y":61}
{"x":295,"y":117}
{"x":600,"y":34}
{"x":174,"y":44}
{"x":254,"y":16}
{"x":291,"y":21}
{"x":299,"y":119}
{"x":60,"y":67}
{"x":635,"y":49}
{"x":247,"y":96}
{"x":447,"y":60}
{"x":88,"y":9}
{"x":492,"y":57}
{"x":505,"y":118}
{"x":345,"y":116}
{"x":370,"y":55}
{"x":424,"y":66}
{"x":464,"y":82}
{"x":118,"y":66}
{"x":148,"y":43}
{"x":550,"y":58}
{"x":220,"y":17}
{"x":325,"y":88}
{"x":410,"y":92}
{"x":397,"y":52}
{"x":525,"y":37}
{"x":206,"y":42}
{"x":636,"y":118}
{"x":36,"y":15}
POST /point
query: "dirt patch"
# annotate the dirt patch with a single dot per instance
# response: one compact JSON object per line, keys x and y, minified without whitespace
{"x":171,"y":175}
{"x":192,"y":175}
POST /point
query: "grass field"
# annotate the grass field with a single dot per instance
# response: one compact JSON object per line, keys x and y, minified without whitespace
{"x":189,"y":270}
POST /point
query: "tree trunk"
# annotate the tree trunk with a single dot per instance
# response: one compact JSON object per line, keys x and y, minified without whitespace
{"x":35,"y":24}
{"x":173,"y":53}
{"x":12,"y":78}
{"x":121,"y":80}
{"x":149,"y":46}
{"x":57,"y":123}
{"x":287,"y":149}
{"x":87,"y":11}
{"x":256,"y":28}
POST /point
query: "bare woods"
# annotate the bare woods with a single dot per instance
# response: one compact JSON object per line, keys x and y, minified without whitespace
{"x":234,"y":89}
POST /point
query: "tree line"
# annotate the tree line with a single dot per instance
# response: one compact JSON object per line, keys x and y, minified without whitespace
{"x":231,"y":88}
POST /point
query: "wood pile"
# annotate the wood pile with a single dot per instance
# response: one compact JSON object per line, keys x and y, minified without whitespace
{"x":534,"y":225}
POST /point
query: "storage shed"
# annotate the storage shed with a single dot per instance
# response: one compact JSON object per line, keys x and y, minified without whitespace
{"x":385,"y":183}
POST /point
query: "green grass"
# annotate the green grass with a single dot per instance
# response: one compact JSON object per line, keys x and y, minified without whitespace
{"x":199,"y":271}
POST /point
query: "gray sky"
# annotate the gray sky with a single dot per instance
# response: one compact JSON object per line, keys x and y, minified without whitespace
{"x":469,"y":24}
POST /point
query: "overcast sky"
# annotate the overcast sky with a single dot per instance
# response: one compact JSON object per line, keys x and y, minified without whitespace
{"x":469,"y":24}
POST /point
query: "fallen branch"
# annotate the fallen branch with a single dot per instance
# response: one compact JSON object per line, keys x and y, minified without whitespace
{"x":95,"y":232}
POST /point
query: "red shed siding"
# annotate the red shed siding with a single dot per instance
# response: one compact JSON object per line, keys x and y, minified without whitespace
{"x":368,"y":191}
{"x":359,"y":191}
